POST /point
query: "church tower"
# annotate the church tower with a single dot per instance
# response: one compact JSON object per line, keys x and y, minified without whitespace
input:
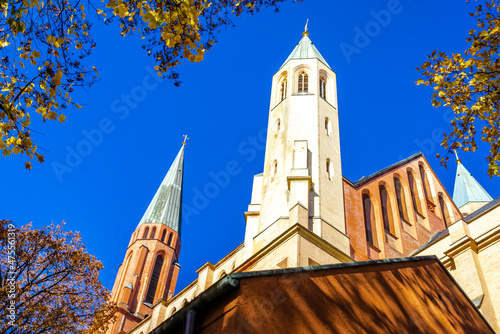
{"x":150,"y":268}
{"x":302,"y":178}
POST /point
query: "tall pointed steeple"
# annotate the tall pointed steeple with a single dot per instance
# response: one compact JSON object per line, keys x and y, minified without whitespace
{"x":468,"y":193}
{"x":150,"y":268}
{"x":166,"y":206}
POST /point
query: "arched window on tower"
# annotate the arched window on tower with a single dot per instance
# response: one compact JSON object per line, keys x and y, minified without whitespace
{"x":170,"y":239}
{"x":328,"y":126}
{"x":163,"y":235}
{"x":277,"y":127}
{"x":415,"y":198}
{"x":369,"y":219}
{"x":155,"y":278}
{"x":222,"y":274}
{"x":329,"y":169}
{"x":303,"y":82}
{"x":444,"y":211}
{"x":385,"y":204}
{"x":145,"y":235}
{"x":322,"y":88}
{"x":274,"y":170}
{"x":153,"y":232}
{"x":283,"y":89}
{"x":401,"y":199}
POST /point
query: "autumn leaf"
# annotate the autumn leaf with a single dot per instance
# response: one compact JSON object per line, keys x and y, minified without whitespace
{"x":469,"y":84}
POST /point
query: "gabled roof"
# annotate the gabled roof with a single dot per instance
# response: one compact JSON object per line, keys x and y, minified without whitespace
{"x":305,"y":49}
{"x":366,"y":179}
{"x":467,"y":189}
{"x":166,"y":206}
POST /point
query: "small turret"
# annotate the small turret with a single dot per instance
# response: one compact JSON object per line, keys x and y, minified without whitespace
{"x":468,"y":194}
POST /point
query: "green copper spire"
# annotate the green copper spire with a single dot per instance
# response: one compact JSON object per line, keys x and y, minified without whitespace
{"x":467,"y":189}
{"x":166,"y":206}
{"x":305,"y":49}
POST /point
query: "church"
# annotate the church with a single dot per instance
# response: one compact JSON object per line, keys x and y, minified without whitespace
{"x":390,"y":252}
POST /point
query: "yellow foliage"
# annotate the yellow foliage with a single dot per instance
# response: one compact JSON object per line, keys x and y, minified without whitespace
{"x":53,"y":37}
{"x":468,"y":83}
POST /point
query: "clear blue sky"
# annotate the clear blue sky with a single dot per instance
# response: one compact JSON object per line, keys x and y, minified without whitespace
{"x":222,"y":103}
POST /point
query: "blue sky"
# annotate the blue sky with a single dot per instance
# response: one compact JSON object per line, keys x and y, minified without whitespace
{"x":136,"y":123}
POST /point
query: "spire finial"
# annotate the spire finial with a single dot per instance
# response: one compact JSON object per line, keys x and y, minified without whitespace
{"x":185,"y":139}
{"x":305,"y":33}
{"x":456,"y":155}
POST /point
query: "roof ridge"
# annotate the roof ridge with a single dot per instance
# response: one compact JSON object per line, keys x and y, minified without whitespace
{"x":364,"y":179}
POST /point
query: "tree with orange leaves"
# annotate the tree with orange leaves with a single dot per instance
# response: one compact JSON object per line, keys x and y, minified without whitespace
{"x":49,"y":283}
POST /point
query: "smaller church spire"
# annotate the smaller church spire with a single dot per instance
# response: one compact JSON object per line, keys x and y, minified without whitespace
{"x":166,"y":206}
{"x":305,"y":49}
{"x":467,"y":189}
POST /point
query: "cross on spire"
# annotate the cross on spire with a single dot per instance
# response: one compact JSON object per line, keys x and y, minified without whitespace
{"x":185,"y":139}
{"x":305,"y":33}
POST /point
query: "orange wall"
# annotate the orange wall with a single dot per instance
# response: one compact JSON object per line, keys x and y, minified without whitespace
{"x":408,"y":297}
{"x":408,"y":236}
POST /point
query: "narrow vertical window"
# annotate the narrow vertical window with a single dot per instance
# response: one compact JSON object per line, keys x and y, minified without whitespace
{"x":329,"y":169}
{"x":283,"y":90}
{"x":277,"y":127}
{"x":425,"y":183}
{"x":303,"y":82}
{"x":415,"y":199}
{"x":153,"y":232}
{"x":322,"y":88}
{"x":163,"y":235}
{"x":328,"y":126}
{"x":401,"y":199}
{"x":386,"y":210}
{"x":368,"y":215}
{"x":155,"y":277}
{"x":145,"y":235}
{"x":444,"y":211}
{"x":170,"y":239}
{"x":274,"y":170}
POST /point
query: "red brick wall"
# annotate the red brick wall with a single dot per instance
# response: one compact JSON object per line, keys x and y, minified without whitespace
{"x":138,"y":272}
{"x":355,"y":228}
{"x":416,"y":232}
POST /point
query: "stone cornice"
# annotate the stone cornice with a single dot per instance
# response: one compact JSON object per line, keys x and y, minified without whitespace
{"x":289,"y":179}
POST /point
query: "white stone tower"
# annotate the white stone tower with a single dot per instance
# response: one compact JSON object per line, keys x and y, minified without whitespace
{"x":302,"y":179}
